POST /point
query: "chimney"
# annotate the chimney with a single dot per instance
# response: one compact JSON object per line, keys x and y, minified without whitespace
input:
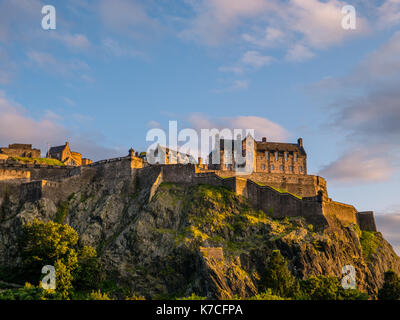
{"x":66,"y":144}
{"x":264,"y":139}
{"x":300,"y":142}
{"x":199,"y":161}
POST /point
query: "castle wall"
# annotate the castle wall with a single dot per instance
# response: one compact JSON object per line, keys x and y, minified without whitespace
{"x":114,"y":168}
{"x":280,"y":205}
{"x":303,"y":186}
{"x":347,"y":214}
{"x":366,"y":221}
{"x":14,"y":174}
{"x":40,"y":171}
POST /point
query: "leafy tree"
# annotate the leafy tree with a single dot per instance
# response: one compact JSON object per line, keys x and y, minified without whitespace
{"x":391,"y":287}
{"x":267,"y":295}
{"x":87,"y":273}
{"x":50,"y":243}
{"x":278,"y":277}
{"x":327,"y":288}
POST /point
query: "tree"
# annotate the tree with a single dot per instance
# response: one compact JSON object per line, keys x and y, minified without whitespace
{"x":328,"y":288}
{"x":391,"y":287}
{"x":278,"y":277}
{"x":50,"y":244}
{"x":87,"y":274}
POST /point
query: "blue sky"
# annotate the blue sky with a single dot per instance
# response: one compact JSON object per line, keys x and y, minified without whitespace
{"x":112,"y":70}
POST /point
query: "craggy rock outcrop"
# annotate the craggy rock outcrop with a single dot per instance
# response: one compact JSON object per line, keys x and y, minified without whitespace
{"x":201,"y":239}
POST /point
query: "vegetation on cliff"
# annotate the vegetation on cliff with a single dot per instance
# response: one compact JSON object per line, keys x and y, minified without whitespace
{"x":194,"y":242}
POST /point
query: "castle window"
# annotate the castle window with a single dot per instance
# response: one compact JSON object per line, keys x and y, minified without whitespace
{"x":295,"y":157}
{"x":276,"y":156}
{"x":281,"y":168}
{"x":267,"y":155}
{"x":263,"y":167}
{"x":291,"y":169}
{"x":301,"y":169}
{"x":286,"y":156}
{"x":272,"y":167}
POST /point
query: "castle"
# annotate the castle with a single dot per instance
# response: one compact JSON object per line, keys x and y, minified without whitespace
{"x":279,"y":184}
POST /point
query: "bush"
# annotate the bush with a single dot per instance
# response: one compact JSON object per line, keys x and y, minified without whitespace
{"x":391,"y":287}
{"x":327,"y":288}
{"x":97,"y":295}
{"x":278,"y":277}
{"x":87,"y":273}
{"x":30,"y":292}
{"x":267,"y":295}
{"x":56,"y":244}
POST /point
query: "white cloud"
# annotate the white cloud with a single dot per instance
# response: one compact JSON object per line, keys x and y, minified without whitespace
{"x":256,"y":59}
{"x":389,"y":13}
{"x":75,"y":41}
{"x":359,"y":166}
{"x":153,"y":124}
{"x":270,"y":37}
{"x":17,"y":126}
{"x":262,"y":127}
{"x":129,"y":17}
{"x":235,"y":86}
{"x":389,"y":225}
{"x":114,"y":48}
{"x":216,"y":18}
{"x":50,"y":63}
{"x":315,"y":23}
{"x":299,"y":53}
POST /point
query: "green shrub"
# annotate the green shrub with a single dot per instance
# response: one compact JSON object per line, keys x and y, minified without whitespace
{"x":369,"y":243}
{"x":278,"y":278}
{"x":391,"y":287}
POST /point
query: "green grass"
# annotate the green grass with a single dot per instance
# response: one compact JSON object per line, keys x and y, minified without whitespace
{"x":369,"y":243}
{"x":279,"y":190}
{"x":48,"y":161}
{"x":62,"y":212}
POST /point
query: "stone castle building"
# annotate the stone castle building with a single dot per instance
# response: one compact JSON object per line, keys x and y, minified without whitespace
{"x":19,"y":150}
{"x":165,"y":155}
{"x":65,"y":155}
{"x":268,"y":157}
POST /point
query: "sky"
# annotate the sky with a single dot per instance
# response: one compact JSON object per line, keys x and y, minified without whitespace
{"x":114,"y":69}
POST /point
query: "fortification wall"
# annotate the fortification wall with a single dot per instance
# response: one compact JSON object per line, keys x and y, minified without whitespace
{"x":113,"y":168}
{"x":280,"y":205}
{"x":40,"y":172}
{"x":302,"y":185}
{"x":347,"y":214}
{"x":14,"y":174}
{"x":366,"y":221}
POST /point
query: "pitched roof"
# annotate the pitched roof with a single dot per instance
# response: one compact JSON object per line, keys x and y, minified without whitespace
{"x":267,"y":146}
{"x":57,"y":149}
{"x":279,"y":146}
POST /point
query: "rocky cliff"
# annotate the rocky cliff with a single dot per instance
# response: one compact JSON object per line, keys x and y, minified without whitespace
{"x":200,"y":239}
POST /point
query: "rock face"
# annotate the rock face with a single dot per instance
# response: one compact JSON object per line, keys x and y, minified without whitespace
{"x":201,"y":239}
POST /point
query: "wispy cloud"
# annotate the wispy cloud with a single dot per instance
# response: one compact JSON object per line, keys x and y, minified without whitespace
{"x":16,"y":125}
{"x":367,"y":110}
{"x":389,"y":225}
{"x":236,"y":85}
{"x":262,"y":127}
{"x":51,"y":64}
